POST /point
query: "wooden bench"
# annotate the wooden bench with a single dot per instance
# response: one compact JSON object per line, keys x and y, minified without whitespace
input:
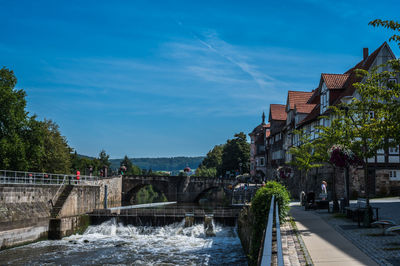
{"x":357,"y":212}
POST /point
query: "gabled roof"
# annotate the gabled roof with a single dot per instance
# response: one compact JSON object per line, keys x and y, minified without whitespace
{"x":311,"y":116}
{"x":345,"y":81}
{"x":334,"y":81}
{"x":364,"y":64}
{"x":277,"y":112}
{"x":304,"y":108}
{"x":298,"y":97}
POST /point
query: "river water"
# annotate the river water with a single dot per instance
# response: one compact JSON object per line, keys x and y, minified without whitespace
{"x":111,"y":243}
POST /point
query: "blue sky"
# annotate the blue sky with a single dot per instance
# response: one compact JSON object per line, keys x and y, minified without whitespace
{"x":171,"y":78}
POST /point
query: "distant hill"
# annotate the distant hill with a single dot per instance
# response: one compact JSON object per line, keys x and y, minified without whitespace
{"x":163,"y":163}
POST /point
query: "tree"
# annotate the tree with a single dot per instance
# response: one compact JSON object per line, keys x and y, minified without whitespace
{"x":236,"y":154}
{"x":206,"y":172}
{"x":56,"y":152}
{"x":305,"y":155}
{"x":13,"y":123}
{"x":389,"y":24}
{"x":213,"y":158}
{"x":131,"y":169}
{"x":104,"y":159}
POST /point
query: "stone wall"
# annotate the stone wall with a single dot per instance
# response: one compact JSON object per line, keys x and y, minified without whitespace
{"x":245,"y":228}
{"x":24,"y":213}
{"x":25,"y":210}
{"x":383,"y":186}
{"x":114,"y":191}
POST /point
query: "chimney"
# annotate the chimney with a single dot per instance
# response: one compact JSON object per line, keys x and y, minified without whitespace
{"x":365,"y":53}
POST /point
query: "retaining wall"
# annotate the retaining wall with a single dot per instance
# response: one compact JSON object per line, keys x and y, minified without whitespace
{"x":25,"y":210}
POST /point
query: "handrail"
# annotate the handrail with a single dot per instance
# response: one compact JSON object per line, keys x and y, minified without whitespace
{"x":267,"y":250}
{"x":266,"y":258}
{"x":58,"y":190}
{"x":278,"y":235}
{"x":34,"y":178}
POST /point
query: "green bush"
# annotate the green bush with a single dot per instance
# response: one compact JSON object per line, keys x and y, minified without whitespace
{"x":260,"y":205}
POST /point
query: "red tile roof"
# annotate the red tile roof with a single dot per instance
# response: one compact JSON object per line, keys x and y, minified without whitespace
{"x":353,"y":77}
{"x":311,"y":116}
{"x":304,"y":108}
{"x":298,"y":97}
{"x":277,"y":112}
{"x":334,"y":81}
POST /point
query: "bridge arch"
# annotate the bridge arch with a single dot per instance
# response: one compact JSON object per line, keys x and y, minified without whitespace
{"x":130,"y":196}
{"x":202,"y":194}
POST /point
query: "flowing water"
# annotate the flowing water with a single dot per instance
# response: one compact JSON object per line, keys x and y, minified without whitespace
{"x":112,"y":243}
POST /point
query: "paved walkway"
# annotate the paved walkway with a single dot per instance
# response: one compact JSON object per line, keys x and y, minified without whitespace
{"x":291,"y":249}
{"x":324,"y":244}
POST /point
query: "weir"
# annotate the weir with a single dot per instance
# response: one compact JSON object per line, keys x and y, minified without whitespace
{"x":165,"y":216}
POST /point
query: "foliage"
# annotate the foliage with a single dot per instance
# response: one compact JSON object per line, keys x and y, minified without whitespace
{"x":213,"y":158}
{"x":104,"y":159}
{"x":13,"y":123}
{"x":231,"y":156}
{"x":389,"y":24}
{"x":206,"y":172}
{"x":131,"y":169}
{"x":27,"y":144}
{"x":260,"y":205}
{"x":148,"y":195}
{"x":81,"y":163}
{"x":235,"y":155}
{"x":56,"y":152}
{"x":305,"y":155}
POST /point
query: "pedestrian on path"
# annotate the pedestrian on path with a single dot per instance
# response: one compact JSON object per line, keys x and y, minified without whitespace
{"x":324,"y":192}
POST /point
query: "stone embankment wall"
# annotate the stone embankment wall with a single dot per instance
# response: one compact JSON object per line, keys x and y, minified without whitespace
{"x":114,"y":192}
{"x":25,"y":210}
{"x":245,"y":227}
{"x":24,"y":213}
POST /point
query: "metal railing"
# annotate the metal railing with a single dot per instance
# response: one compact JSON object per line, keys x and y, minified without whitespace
{"x":32,"y":178}
{"x":58,"y":192}
{"x":266,"y":257}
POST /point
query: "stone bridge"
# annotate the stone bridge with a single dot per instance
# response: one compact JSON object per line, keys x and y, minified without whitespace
{"x":183,"y":189}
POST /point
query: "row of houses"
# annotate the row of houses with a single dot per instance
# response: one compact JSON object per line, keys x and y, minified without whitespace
{"x":304,"y":110}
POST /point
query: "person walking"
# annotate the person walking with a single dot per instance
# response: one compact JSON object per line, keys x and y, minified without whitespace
{"x":324,"y":192}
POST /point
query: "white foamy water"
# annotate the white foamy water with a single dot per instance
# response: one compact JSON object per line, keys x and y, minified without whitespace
{"x":112,"y":243}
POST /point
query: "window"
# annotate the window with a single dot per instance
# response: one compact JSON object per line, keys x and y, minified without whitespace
{"x":371,"y":114}
{"x":262,"y":161}
{"x":394,"y":150}
{"x":394,"y":175}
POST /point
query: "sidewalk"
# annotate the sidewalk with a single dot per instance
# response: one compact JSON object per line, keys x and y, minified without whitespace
{"x":324,"y":244}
